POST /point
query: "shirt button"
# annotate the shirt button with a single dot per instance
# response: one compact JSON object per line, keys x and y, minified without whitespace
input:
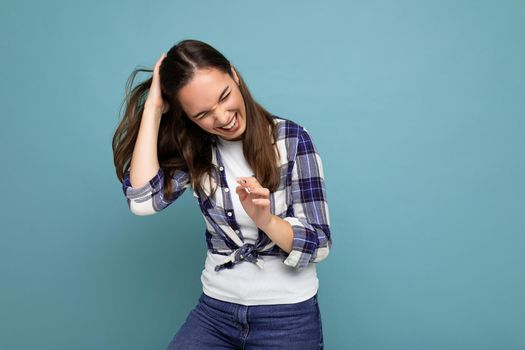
{"x":237,"y":231}
{"x":221,"y":168}
{"x":226,"y":189}
{"x":229,"y":213}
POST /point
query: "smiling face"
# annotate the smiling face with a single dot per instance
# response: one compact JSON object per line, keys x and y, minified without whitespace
{"x":212,"y":99}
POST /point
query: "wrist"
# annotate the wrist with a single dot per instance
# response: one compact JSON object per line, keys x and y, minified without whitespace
{"x":152,"y":112}
{"x":266,"y":227}
{"x":152,"y":108}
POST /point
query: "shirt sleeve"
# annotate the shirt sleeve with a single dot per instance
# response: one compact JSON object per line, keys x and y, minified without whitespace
{"x":310,"y":223}
{"x":149,"y":199}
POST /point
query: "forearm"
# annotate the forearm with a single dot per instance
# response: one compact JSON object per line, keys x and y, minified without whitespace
{"x":144,"y":162}
{"x":280,"y":232}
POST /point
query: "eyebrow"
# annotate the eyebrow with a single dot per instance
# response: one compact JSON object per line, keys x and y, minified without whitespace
{"x":220,"y":97}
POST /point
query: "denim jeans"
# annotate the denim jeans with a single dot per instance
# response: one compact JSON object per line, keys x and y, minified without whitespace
{"x":216,"y":324}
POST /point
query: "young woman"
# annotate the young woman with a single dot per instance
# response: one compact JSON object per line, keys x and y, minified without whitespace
{"x":259,"y":183}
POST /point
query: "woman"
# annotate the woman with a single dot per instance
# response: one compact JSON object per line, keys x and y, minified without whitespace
{"x":195,"y":124}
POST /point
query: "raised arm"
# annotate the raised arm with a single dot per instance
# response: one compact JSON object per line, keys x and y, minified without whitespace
{"x":143,"y":183}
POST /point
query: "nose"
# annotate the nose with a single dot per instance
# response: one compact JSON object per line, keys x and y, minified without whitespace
{"x":222,"y":116}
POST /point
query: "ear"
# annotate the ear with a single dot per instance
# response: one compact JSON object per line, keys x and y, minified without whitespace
{"x":236,"y":78}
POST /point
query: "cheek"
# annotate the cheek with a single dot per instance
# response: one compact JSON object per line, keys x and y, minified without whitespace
{"x":238,"y":102}
{"x":206,"y":124}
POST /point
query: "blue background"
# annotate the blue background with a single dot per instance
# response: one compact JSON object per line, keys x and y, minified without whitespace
{"x":416,"y":107}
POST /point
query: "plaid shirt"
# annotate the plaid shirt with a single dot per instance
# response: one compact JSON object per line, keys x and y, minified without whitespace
{"x":300,"y":199}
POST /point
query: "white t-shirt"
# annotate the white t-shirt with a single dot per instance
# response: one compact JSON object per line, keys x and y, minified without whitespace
{"x":246,"y":283}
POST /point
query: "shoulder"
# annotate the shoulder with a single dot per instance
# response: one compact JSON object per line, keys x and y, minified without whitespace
{"x":292,"y":138}
{"x":288,"y":129}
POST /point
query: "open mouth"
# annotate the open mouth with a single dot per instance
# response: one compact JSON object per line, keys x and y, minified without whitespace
{"x":233,"y":126}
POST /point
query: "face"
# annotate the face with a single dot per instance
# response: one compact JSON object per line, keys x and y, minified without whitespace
{"x":212,"y":100}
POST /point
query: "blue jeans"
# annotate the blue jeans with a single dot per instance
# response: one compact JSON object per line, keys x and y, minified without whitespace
{"x":216,"y":324}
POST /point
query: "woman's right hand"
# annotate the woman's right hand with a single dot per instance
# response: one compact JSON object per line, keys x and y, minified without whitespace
{"x":154,"y":99}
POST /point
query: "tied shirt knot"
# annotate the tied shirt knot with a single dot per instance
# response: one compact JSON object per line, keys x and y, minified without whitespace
{"x":246,"y":252}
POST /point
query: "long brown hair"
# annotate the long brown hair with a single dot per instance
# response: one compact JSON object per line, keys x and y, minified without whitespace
{"x":181,"y":143}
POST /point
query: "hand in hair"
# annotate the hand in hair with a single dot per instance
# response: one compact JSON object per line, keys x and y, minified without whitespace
{"x":154,"y":99}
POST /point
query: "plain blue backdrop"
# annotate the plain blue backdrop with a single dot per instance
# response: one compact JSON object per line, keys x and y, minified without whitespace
{"x":416,"y":108}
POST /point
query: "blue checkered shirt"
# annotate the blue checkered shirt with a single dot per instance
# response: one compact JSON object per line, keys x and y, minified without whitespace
{"x":300,"y":199}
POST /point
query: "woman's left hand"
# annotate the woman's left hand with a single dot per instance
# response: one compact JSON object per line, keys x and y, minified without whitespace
{"x":256,"y":202}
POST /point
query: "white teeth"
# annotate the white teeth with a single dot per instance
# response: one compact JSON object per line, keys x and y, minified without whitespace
{"x":229,"y":126}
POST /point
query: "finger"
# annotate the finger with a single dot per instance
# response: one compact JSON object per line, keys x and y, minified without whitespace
{"x":249,"y":184}
{"x":258,"y":192}
{"x":248,"y":179}
{"x":241,"y":192}
{"x":157,"y":65}
{"x":159,"y":61}
{"x":246,"y":189}
{"x":262,"y":191}
{"x":242,"y":188}
{"x":261,"y":202}
{"x":250,"y":187}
